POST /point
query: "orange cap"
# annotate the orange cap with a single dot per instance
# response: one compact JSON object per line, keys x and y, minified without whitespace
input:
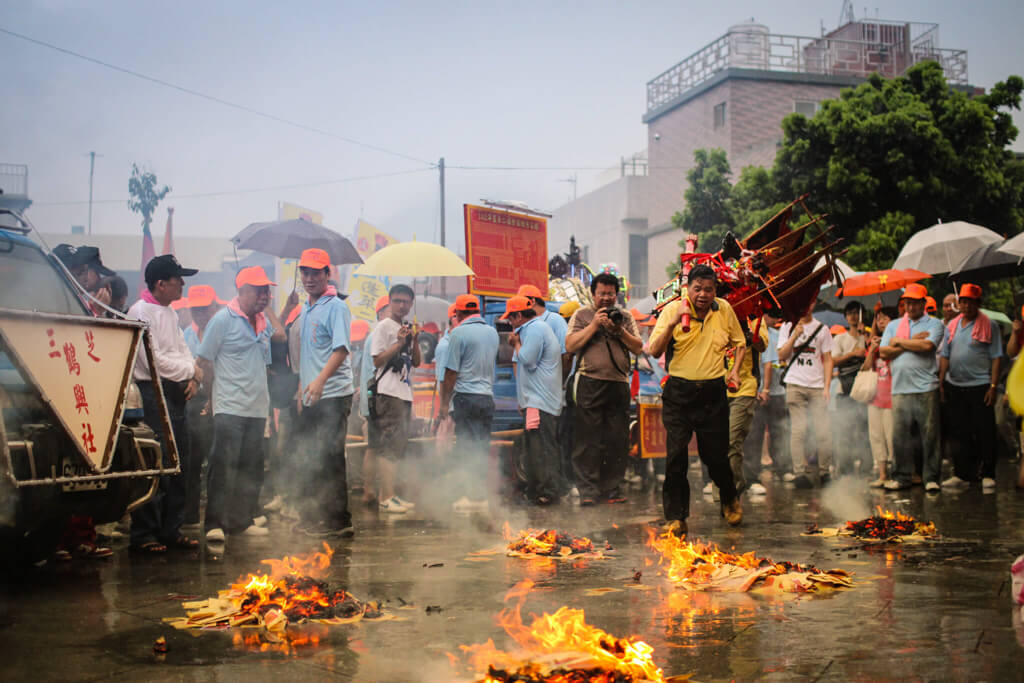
{"x":178,"y":304}
{"x":529,"y":290}
{"x":314,"y":258}
{"x":360,"y":328}
{"x":431,"y":328}
{"x":253,"y":275}
{"x":929,"y":305}
{"x":969,"y":291}
{"x":516,"y":304}
{"x":381,"y":303}
{"x":914,"y":291}
{"x":641,"y":319}
{"x":451,"y":311}
{"x":467,"y":303}
{"x":836,"y":329}
{"x":202,"y":295}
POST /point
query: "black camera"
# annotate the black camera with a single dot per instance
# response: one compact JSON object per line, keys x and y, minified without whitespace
{"x":615,"y":314}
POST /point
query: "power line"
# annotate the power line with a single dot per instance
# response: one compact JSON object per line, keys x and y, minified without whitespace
{"x":222,"y":193}
{"x":211,"y":98}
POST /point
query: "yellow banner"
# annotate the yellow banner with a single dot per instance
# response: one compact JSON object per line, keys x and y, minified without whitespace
{"x":369,"y":239}
{"x":81,"y":368}
{"x":287,"y":211}
{"x":363,"y":292}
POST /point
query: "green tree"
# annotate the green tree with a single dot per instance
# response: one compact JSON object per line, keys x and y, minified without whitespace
{"x":707,"y":212}
{"x":893,"y":156}
{"x":145,"y":195}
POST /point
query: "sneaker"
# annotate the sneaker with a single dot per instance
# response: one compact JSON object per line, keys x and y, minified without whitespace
{"x":932,"y":487}
{"x":733,"y":512}
{"x":574,"y":492}
{"x":404,"y":503}
{"x":788,"y":477}
{"x":260,"y":521}
{"x":803,"y":482}
{"x":660,"y":478}
{"x":988,"y":483}
{"x":894,"y":485}
{"x":878,"y":483}
{"x":955,"y":482}
{"x":275,"y":504}
{"x":215,"y":535}
{"x":253,"y":530}
{"x":289,"y":512}
{"x":392,"y":505}
{"x":708,"y":488}
{"x":757,"y":489}
{"x":676,"y":527}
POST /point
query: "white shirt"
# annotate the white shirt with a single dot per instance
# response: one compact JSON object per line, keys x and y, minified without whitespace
{"x":807,"y":370}
{"x":174,"y":361}
{"x":391,"y":383}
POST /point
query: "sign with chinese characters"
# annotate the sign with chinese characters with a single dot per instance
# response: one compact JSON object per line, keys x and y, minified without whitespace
{"x":364,"y":290}
{"x":652,"y":431}
{"x":81,"y":366}
{"x":505,"y":250}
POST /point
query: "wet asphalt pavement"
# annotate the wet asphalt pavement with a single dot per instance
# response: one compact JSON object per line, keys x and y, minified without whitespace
{"x":932,"y":611}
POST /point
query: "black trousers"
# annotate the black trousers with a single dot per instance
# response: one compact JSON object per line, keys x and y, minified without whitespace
{"x":601,"y":436}
{"x":700,"y":407}
{"x":542,"y":459}
{"x":972,"y":432}
{"x":235,"y":473}
{"x":200,"y":437}
{"x":321,"y":435}
{"x":160,"y":519}
{"x":473,"y":415}
{"x":774,"y":416}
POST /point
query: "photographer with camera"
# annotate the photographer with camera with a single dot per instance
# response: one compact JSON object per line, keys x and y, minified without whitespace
{"x":602,"y":336}
{"x":395,"y":350}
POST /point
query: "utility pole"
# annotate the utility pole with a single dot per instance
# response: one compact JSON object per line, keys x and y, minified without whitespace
{"x":571,"y":179}
{"x":440,"y":168}
{"x":92,"y":167}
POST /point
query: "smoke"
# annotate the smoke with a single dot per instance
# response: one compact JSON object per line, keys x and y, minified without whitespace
{"x":844,"y":498}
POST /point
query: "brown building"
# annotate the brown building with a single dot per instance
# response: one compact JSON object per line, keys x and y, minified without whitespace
{"x":731,"y":94}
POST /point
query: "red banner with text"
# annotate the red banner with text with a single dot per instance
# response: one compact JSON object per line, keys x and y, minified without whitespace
{"x":505,"y":250}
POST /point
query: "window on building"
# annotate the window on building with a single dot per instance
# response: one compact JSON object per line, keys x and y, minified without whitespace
{"x":719,"y":115}
{"x":806,"y":107}
{"x":638,"y":264}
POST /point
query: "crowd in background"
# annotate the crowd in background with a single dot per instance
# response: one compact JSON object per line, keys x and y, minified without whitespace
{"x":308,"y":413}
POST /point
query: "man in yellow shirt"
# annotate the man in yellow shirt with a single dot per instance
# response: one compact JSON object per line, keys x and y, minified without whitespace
{"x":742,"y":402}
{"x":694,"y":395}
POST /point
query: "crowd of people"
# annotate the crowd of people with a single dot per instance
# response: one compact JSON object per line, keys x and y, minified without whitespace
{"x":330,"y":399}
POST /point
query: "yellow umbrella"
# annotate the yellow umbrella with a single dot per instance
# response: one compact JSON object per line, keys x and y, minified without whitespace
{"x":414,"y":259}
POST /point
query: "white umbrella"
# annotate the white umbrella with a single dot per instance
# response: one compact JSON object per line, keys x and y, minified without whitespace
{"x":939,"y":249}
{"x":1013,"y":246}
{"x":844,"y":268}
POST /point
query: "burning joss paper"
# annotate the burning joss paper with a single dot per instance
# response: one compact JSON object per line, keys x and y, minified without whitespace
{"x":703,"y":567}
{"x":888,"y":525}
{"x":547,"y":543}
{"x":557,"y":648}
{"x":292,"y":593}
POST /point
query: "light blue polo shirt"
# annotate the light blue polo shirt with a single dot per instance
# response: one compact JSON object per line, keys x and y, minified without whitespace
{"x":558,"y":326}
{"x":325,"y":329}
{"x":539,"y":374}
{"x":915,"y":373}
{"x":771,"y":355}
{"x":441,"y":356}
{"x":191,"y":340}
{"x":472,"y":350}
{"x":366,"y":371}
{"x":240,"y":358}
{"x":970,"y":362}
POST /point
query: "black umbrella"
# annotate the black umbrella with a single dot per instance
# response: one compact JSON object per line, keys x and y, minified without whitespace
{"x":288,"y":239}
{"x":987,"y":263}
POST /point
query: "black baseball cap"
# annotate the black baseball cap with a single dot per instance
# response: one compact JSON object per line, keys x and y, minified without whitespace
{"x":76,"y":257}
{"x":165,"y":267}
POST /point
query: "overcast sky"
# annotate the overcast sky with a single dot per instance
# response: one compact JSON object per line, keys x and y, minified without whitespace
{"x":512,"y":84}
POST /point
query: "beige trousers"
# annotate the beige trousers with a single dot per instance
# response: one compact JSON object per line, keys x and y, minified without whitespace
{"x":880,"y":436}
{"x":808,"y":406}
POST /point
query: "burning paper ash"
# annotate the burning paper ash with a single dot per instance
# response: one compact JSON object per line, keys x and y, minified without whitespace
{"x":559,"y":648}
{"x":546,"y":542}
{"x":702,"y":566}
{"x":291,"y":594}
{"x":882,"y":527}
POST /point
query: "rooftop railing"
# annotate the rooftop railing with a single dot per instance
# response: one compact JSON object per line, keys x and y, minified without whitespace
{"x":801,"y":54}
{"x":14,"y":179}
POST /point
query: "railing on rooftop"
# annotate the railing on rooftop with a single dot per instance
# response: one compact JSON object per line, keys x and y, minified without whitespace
{"x":891,"y":55}
{"x":14,"y":179}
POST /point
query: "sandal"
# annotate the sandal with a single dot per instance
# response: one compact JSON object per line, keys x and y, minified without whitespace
{"x":150,"y":548}
{"x":184,"y":543}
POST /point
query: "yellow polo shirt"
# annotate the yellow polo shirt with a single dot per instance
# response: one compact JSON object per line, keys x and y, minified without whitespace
{"x":748,"y":384}
{"x":700,"y":353}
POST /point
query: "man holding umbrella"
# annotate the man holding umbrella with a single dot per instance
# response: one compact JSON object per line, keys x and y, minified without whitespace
{"x":325,"y":400}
